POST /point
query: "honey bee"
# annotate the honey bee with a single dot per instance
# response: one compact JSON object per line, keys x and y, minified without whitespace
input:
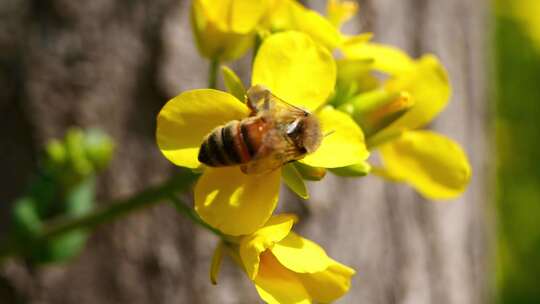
{"x":274,"y":134}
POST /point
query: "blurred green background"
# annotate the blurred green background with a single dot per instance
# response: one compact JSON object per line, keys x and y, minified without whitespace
{"x":517,"y":93}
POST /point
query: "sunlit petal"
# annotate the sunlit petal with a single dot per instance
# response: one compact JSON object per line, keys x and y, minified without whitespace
{"x":343,"y":144}
{"x":384,"y":58}
{"x":300,"y":255}
{"x":236,"y":203}
{"x":328,"y":285}
{"x":186,"y":119}
{"x":216,"y":40}
{"x":252,"y":246}
{"x":295,"y":69}
{"x":239,"y":16}
{"x":278,"y":285}
{"x":340,"y":11}
{"x":429,"y":89}
{"x":434,"y":165}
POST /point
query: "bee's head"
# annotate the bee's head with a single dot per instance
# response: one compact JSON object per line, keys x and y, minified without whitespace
{"x":306,"y":133}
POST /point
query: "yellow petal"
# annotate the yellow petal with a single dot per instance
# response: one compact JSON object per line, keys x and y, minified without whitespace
{"x":385,"y":58}
{"x":239,"y":16}
{"x":434,"y":165}
{"x":429,"y":89}
{"x":343,"y":144}
{"x":214,"y":41}
{"x":186,"y":119}
{"x":295,"y":69}
{"x":287,"y":15}
{"x":340,"y":11}
{"x":215,"y":266}
{"x":316,"y":26}
{"x":300,"y":255}
{"x":328,"y":285}
{"x":252,"y":246}
{"x":278,"y":285}
{"x":236,"y":203}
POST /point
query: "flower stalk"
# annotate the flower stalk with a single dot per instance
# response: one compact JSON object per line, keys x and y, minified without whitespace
{"x":109,"y":212}
{"x":213,"y":73}
{"x":181,"y":207}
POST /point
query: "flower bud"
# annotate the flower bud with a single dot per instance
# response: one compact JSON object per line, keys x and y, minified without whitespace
{"x":310,"y":173}
{"x":225,"y":30}
{"x":376,"y":110}
{"x":357,"y":170}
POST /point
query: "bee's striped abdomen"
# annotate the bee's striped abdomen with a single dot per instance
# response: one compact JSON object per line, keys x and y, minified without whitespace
{"x":226,"y":146}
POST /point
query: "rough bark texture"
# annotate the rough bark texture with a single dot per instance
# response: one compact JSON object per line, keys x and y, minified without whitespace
{"x":113,"y":64}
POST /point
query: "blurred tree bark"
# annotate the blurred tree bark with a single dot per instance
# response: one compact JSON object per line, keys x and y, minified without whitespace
{"x":113,"y":64}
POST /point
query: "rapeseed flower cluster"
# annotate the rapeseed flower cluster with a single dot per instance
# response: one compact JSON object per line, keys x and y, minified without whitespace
{"x":302,"y":58}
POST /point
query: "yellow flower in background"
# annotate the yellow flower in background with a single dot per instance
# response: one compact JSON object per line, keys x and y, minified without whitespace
{"x":296,"y":70}
{"x":340,"y":11}
{"x":287,"y":268}
{"x":434,"y":165}
{"x":291,"y":15}
{"x":225,"y":29}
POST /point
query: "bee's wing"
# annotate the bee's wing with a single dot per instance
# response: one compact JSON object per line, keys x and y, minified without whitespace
{"x":263,"y":102}
{"x":277,"y":148}
{"x":275,"y":151}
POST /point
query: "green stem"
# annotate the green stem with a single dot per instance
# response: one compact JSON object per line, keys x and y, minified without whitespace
{"x":213,"y":73}
{"x":111,"y":211}
{"x":191,"y":214}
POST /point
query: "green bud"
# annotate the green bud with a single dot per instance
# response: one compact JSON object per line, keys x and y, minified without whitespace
{"x":233,"y":83}
{"x":310,"y":173}
{"x":79,"y":154}
{"x":99,"y":148}
{"x":56,"y":152}
{"x":293,"y":180}
{"x":78,"y":162}
{"x":357,"y":170}
{"x":375,"y":110}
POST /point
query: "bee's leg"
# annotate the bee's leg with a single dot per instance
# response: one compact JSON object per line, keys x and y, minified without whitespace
{"x":267,"y":100}
{"x":252,"y":105}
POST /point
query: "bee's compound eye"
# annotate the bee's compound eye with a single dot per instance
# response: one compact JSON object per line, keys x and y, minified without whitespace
{"x":293,"y":127}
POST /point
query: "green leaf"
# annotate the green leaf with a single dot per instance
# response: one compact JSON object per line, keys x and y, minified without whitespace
{"x":99,"y":148}
{"x":357,"y":170}
{"x":294,"y":181}
{"x":61,"y":248}
{"x":233,"y":83}
{"x":26,"y":220}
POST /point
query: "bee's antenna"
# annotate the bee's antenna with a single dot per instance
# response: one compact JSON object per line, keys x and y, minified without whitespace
{"x":329,"y":133}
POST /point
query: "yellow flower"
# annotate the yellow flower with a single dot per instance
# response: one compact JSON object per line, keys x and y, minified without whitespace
{"x":340,"y":11}
{"x":296,"y":70}
{"x":434,"y":165}
{"x":225,"y":29}
{"x":287,"y":268}
{"x":291,"y":15}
